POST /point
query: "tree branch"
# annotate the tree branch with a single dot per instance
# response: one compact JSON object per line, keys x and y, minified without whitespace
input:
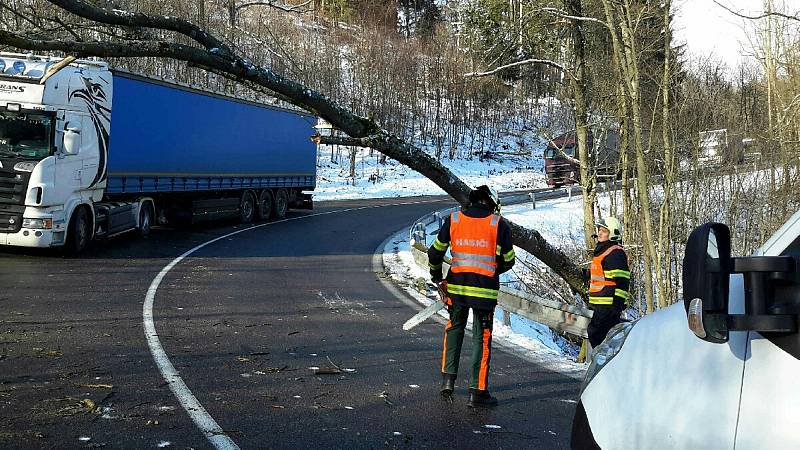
{"x":284,"y":7}
{"x":342,"y":140}
{"x":129,"y":19}
{"x":760,"y":16}
{"x":565,"y":15}
{"x":516,"y":64}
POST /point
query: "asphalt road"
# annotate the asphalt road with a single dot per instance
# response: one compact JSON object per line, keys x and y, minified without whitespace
{"x":243,"y":320}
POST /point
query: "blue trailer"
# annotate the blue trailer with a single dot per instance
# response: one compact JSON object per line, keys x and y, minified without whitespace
{"x":168,"y":138}
{"x":216,"y":155}
{"x":87,"y":151}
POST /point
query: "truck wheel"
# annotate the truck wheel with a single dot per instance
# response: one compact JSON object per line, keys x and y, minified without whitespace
{"x":79,"y":232}
{"x":247,"y":207}
{"x":265,"y":204}
{"x":281,"y":203}
{"x":145,"y":219}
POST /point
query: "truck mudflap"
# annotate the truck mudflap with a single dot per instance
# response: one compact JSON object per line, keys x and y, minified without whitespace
{"x":303,"y":201}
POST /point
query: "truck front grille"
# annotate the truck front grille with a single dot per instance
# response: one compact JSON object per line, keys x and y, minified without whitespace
{"x":12,"y":188}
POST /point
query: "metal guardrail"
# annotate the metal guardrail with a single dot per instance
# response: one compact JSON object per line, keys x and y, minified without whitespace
{"x":555,"y":315}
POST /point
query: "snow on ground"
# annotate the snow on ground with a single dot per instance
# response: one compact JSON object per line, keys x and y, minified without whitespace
{"x":559,"y":221}
{"x":397,"y":180}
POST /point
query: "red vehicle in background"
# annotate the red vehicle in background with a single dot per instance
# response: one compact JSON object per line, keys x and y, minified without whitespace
{"x":562,"y":161}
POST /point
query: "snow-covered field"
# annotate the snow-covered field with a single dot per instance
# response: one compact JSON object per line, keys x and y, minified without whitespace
{"x":396,"y":180}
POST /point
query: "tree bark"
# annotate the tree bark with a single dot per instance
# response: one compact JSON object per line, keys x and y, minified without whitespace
{"x":580,"y":98}
{"x":663,"y":260}
{"x":631,"y":67}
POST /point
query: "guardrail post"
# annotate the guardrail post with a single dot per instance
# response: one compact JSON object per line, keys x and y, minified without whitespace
{"x":438,"y":218}
{"x":533,"y":200}
{"x":569,"y":193}
{"x":417,"y":234}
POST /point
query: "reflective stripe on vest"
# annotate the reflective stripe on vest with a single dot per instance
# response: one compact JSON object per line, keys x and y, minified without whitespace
{"x":473,"y":244}
{"x":470,"y":291}
{"x":601,"y":300}
{"x":598,"y":278}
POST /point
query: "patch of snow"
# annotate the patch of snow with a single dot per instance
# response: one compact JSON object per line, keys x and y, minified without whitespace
{"x":108,"y":413}
{"x":376,"y":180}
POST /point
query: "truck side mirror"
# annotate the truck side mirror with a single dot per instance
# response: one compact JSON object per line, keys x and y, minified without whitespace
{"x":706,"y":274}
{"x":72,"y":140}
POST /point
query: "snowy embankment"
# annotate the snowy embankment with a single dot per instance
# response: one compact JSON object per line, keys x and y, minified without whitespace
{"x":560,"y":222}
{"x":375,"y":180}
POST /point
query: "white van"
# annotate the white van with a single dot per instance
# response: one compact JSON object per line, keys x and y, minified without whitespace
{"x":720,"y":370}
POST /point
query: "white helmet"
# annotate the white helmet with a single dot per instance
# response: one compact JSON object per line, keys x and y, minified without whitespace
{"x":614,"y":227}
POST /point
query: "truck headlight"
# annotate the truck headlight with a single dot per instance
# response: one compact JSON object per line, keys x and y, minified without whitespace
{"x":606,"y":351}
{"x":37,"y":224}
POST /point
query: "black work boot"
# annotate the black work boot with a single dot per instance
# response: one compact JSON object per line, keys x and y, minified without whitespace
{"x":448,"y":385}
{"x":481,"y":399}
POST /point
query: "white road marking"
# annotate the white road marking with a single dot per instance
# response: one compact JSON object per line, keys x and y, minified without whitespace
{"x":207,"y":425}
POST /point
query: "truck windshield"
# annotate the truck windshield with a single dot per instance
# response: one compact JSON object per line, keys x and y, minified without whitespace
{"x":25,"y":135}
{"x":550,"y":153}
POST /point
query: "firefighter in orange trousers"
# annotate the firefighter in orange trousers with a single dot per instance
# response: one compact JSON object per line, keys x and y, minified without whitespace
{"x":609,"y":280}
{"x":481,"y":249}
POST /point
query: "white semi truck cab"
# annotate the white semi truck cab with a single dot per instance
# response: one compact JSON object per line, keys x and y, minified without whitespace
{"x":54,"y":130}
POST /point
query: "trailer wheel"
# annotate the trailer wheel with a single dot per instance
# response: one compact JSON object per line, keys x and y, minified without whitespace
{"x":79,"y":232}
{"x":247,"y":207}
{"x":145,"y":219}
{"x":265,"y":204}
{"x":281,"y":203}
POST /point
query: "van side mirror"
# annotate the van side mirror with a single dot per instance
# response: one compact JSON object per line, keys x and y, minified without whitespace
{"x":72,"y":140}
{"x":706,"y":277}
{"x":770,"y":286}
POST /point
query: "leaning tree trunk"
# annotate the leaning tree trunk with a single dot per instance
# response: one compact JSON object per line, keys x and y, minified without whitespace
{"x":631,"y":68}
{"x":580,"y":98}
{"x":623,"y":114}
{"x":663,"y":256}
